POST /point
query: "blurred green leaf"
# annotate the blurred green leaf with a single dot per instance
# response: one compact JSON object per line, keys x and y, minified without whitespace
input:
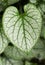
{"x":4,"y":4}
{"x":41,"y":8}
{"x":12,"y":1}
{"x":44,"y":0}
{"x":39,"y":50}
{"x":29,"y":63}
{"x":43,"y":31}
{"x":43,"y":28}
{"x":33,"y":1}
{"x":7,"y":61}
{"x":14,"y":53}
{"x":3,"y":39}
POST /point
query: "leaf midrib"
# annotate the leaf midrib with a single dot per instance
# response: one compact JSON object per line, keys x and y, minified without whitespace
{"x":24,"y":31}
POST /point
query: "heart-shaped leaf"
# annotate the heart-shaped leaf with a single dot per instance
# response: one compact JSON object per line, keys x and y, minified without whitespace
{"x":3,"y":39}
{"x":7,"y":61}
{"x":22,"y":29}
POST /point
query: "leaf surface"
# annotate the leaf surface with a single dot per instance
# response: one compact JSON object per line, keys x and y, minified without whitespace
{"x":22,"y":29}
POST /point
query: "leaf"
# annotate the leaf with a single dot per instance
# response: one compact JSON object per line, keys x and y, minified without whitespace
{"x":39,"y":50}
{"x":14,"y":53}
{"x":43,"y":28}
{"x":1,"y":8}
{"x":4,"y":4}
{"x":16,"y":62}
{"x":41,"y":8}
{"x":43,"y":32}
{"x":3,"y":39}
{"x":8,"y":1}
{"x":29,"y":63}
{"x":6,"y":61}
{"x":44,"y":0}
{"x":22,"y":29}
{"x":33,"y":1}
{"x":12,"y":1}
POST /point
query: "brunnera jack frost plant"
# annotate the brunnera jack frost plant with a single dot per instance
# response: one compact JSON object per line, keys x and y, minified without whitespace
{"x":22,"y":29}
